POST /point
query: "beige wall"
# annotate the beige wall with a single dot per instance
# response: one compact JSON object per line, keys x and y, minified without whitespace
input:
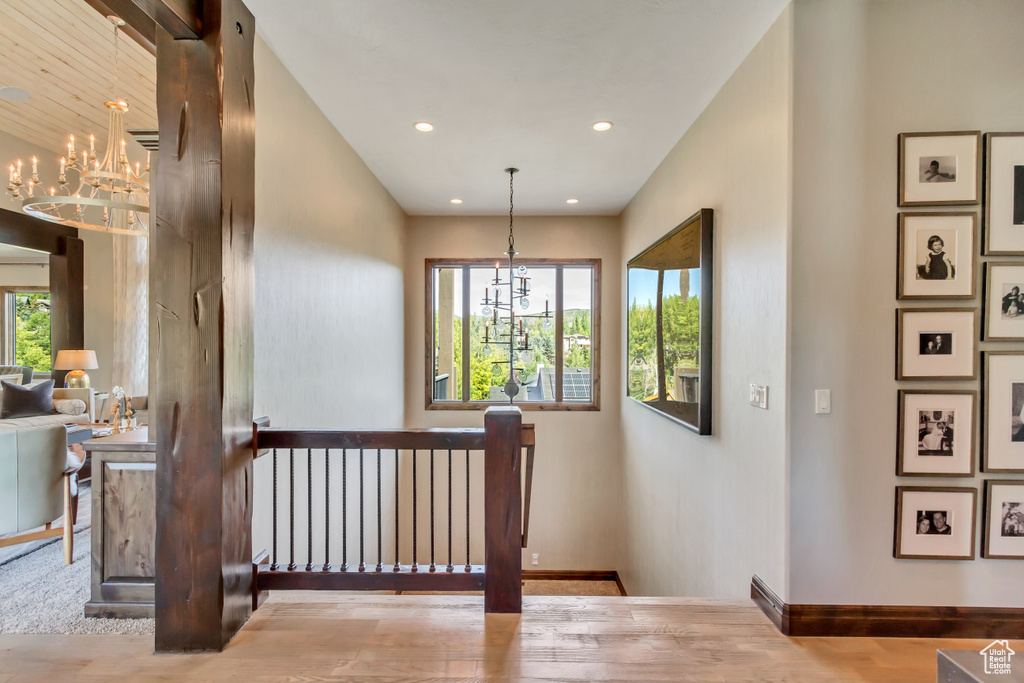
{"x":865,"y":72}
{"x":576,"y":504}
{"x":704,"y":513}
{"x":329,"y":347}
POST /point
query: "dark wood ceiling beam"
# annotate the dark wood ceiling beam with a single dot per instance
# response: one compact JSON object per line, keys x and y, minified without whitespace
{"x":21,"y":230}
{"x":180,"y":18}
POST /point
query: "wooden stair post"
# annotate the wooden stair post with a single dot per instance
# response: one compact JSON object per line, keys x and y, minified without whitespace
{"x":503,"y":506}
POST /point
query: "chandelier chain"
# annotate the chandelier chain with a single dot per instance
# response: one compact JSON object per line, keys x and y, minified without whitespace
{"x":117,"y":76}
{"x":511,"y":194}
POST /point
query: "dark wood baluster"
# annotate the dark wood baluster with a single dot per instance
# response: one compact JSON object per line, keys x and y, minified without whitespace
{"x":397,"y":566}
{"x":414,"y":567}
{"x":327,"y":510}
{"x":309,"y":507}
{"x":291,"y":517}
{"x":380,"y":546}
{"x":362,"y":564}
{"x":450,"y":567}
{"x":273,"y":563}
{"x":344,"y":510}
{"x":432,"y":567}
{"x":468,"y":566}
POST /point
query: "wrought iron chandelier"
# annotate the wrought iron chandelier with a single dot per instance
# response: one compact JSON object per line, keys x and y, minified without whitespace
{"x":502,"y":331}
{"x":111,"y":196}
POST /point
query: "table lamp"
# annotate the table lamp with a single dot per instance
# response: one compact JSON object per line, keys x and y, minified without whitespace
{"x":77,"y":361}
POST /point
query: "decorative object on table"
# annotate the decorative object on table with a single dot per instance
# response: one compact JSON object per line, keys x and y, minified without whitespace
{"x":77,"y":361}
{"x":19,"y":401}
{"x":1002,"y":421}
{"x":111,"y":195}
{"x":936,"y":433}
{"x":935,"y":523}
{"x":669,"y":363}
{"x":1003,"y":525}
{"x":936,"y":344}
{"x":936,"y":255}
{"x":1004,"y":301}
{"x":503,"y":332}
{"x":116,"y":394}
{"x":937,"y":169}
{"x":1004,"y":193}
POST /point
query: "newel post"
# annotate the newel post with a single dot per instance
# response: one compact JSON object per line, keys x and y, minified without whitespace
{"x":503,"y":525}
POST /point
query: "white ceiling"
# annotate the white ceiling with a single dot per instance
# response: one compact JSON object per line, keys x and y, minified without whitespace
{"x":12,"y":254}
{"x":513,"y":84}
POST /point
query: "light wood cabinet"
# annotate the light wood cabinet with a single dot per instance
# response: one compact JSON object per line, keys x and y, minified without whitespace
{"x":123,"y":525}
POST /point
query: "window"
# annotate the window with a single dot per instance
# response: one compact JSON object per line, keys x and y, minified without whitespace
{"x":26,"y":338}
{"x":559,"y":368}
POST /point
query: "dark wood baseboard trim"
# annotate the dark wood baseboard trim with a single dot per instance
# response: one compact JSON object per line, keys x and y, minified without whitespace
{"x":573,"y":575}
{"x":887,"y":621}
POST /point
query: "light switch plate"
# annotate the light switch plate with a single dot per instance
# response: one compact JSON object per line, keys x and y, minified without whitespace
{"x":759,"y":396}
{"x":822,"y":401}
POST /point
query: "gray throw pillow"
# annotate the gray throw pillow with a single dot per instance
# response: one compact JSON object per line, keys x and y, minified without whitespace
{"x":19,"y":401}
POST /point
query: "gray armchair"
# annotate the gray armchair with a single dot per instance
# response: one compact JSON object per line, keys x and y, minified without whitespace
{"x":38,"y":484}
{"x":26,"y":372}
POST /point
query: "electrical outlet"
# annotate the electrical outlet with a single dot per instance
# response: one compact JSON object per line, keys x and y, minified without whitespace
{"x":759,"y":396}
{"x":535,"y":560}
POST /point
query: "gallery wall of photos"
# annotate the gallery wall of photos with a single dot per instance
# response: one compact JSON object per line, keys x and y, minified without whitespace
{"x":947,"y":337}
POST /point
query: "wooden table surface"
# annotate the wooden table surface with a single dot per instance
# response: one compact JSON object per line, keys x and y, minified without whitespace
{"x":136,"y":441}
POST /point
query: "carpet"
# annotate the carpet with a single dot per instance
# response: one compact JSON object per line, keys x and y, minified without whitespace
{"x":43,"y":595}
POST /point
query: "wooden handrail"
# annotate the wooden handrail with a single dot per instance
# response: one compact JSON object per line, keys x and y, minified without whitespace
{"x":402,"y":439}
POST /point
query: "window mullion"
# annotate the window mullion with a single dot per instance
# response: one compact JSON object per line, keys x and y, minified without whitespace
{"x":559,"y":343}
{"x":464,"y":361}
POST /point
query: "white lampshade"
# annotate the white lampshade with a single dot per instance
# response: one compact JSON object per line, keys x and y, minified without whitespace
{"x":75,"y":359}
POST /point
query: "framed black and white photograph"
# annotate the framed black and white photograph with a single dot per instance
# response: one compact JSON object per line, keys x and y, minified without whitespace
{"x":1004,"y":301}
{"x":1003,"y":418}
{"x":939,"y":169}
{"x":935,"y":523}
{"x":1004,"y":193}
{"x":936,"y":255}
{"x":936,"y":344}
{"x":1003,"y":527}
{"x":936,"y":433}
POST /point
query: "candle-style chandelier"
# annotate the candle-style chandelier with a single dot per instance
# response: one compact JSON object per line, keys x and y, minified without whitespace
{"x":502,"y":331}
{"x":111,"y":196}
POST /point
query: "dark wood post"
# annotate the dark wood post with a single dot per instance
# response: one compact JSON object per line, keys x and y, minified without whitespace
{"x":202,"y":298}
{"x":503,"y":509}
{"x":67,"y":303}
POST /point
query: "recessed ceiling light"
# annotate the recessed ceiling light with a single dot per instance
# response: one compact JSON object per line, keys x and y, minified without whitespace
{"x":423,"y":126}
{"x":572,"y":201}
{"x":602,"y":126}
{"x":13,"y":94}
{"x":456,"y":201}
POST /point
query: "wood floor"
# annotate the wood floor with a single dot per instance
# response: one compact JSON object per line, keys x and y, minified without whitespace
{"x":325,"y":637}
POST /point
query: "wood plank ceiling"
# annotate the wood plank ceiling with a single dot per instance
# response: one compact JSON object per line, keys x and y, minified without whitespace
{"x":62,"y":53}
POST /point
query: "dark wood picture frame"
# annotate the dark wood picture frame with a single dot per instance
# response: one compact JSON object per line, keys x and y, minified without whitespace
{"x":901,"y":425}
{"x":902,"y":161}
{"x":901,"y":314}
{"x":559,"y":404}
{"x":987,"y":517}
{"x":986,"y":321}
{"x":985,"y":404}
{"x":902,"y":247}
{"x":898,"y":533}
{"x":987,"y":198}
{"x":703,"y":222}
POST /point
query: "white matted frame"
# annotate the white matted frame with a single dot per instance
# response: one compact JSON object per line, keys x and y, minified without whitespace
{"x":954,"y":330}
{"x":939,"y":169}
{"x":1003,"y":514}
{"x":1004,"y":302}
{"x":1004,"y":194}
{"x":936,"y":255}
{"x":954,"y":456}
{"x":1002,"y":408}
{"x":958,"y":505}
